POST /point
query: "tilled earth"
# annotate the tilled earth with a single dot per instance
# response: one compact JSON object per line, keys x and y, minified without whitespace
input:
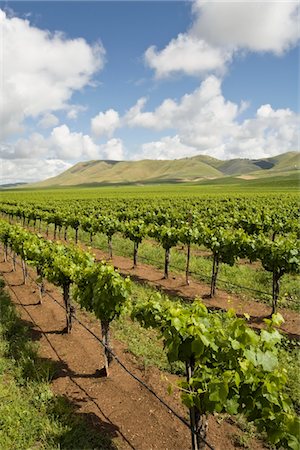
{"x":118,"y":405}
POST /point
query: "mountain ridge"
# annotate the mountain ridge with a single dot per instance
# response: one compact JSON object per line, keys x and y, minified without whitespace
{"x":189,"y":169}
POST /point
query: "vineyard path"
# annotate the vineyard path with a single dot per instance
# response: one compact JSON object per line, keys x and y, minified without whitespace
{"x":117,"y":405}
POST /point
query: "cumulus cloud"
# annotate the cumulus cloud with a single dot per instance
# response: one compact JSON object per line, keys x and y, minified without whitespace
{"x":268,"y":133}
{"x":48,"y":120}
{"x":30,"y":170}
{"x":191,"y":115}
{"x":206,"y":123}
{"x":113,"y":150}
{"x":41,"y":70}
{"x":268,"y":26}
{"x":186,"y":54}
{"x":62,"y":144}
{"x":105,"y":123}
{"x":72,"y":145}
{"x":169,"y":147}
{"x":221,"y":29}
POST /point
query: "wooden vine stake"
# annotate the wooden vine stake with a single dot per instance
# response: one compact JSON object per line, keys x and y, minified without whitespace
{"x":167,"y":263}
{"x":67,"y":302}
{"x":14,"y":261}
{"x":110,"y":252}
{"x":135,"y":253}
{"x":199,"y":422}
{"x":105,"y":332}
{"x":24,"y":271}
{"x":188,"y":256}
{"x":215,"y":270}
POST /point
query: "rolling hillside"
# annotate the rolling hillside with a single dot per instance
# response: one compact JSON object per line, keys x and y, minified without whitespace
{"x":197,"y":168}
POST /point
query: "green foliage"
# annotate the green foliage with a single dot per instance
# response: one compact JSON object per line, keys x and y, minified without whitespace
{"x":103,"y":291}
{"x":281,"y":255}
{"x":31,"y":417}
{"x":236,"y":370}
{"x":167,"y":236}
{"x":67,"y":264}
{"x":99,"y":287}
{"x":135,"y":230}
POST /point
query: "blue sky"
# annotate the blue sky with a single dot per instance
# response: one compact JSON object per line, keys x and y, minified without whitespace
{"x":134,"y":80}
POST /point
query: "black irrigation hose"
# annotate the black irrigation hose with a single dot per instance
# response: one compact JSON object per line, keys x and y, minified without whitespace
{"x":142,"y":383}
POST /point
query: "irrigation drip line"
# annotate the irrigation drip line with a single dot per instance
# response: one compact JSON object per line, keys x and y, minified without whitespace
{"x":141,"y":382}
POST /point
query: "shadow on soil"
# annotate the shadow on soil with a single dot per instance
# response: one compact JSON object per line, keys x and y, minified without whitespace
{"x":58,"y":369}
{"x":88,"y":430}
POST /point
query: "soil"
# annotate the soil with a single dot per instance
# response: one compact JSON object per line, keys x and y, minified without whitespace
{"x":117,"y":405}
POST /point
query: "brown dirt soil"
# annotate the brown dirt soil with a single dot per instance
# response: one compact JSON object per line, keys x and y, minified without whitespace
{"x":117,"y":405}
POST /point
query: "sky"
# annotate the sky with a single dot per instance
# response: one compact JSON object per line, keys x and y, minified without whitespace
{"x":131,"y":80}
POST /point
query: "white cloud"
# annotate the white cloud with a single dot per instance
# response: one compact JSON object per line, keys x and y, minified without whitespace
{"x":191,"y":116}
{"x":62,"y":144}
{"x":260,"y":26}
{"x":206,"y":123}
{"x":270,"y":132}
{"x":30,"y":170}
{"x":221,"y":29}
{"x":186,"y":54}
{"x":105,"y":123}
{"x":48,"y":120}
{"x":166,"y":148}
{"x":113,"y":150}
{"x":71,"y":145}
{"x":41,"y":70}
{"x":74,"y":110}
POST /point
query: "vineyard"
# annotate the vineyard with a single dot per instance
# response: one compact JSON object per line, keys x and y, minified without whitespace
{"x":229,"y":367}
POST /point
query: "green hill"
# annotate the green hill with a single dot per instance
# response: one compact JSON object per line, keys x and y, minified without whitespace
{"x":195,"y":169}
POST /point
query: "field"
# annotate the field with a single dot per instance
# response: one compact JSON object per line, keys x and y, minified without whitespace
{"x":232,"y":244}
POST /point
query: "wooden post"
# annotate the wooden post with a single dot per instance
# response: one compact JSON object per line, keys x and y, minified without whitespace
{"x":275,"y":289}
{"x":110,"y":247}
{"x":167,"y":262}
{"x":14,"y":261}
{"x":187,"y":269}
{"x":105,"y":332}
{"x":215,"y":271}
{"x":199,"y":422}
{"x":135,"y":253}
{"x":67,"y":302}
{"x":24,"y":271}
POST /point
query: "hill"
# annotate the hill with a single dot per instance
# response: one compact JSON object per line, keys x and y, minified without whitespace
{"x":195,"y":169}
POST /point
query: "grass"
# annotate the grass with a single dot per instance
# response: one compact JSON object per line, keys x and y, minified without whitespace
{"x":31,"y":417}
{"x":144,"y":343}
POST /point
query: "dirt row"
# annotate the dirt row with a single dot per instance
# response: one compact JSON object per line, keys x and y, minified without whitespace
{"x":117,"y":406}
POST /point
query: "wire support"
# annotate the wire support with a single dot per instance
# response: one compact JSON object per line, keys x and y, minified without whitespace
{"x":132,"y":375}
